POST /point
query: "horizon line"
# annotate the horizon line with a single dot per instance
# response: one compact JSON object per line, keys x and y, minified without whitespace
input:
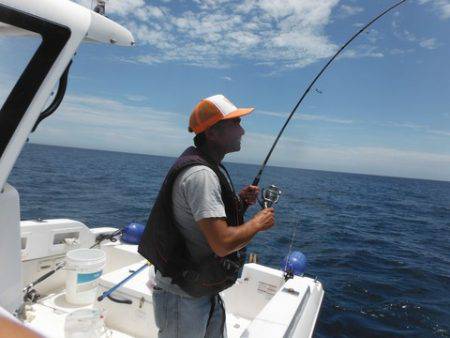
{"x":244,"y":163}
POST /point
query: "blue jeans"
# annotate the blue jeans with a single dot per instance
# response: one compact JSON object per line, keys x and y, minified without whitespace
{"x":184,"y":317}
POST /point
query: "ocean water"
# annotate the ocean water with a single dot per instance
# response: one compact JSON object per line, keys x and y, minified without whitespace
{"x":379,"y":245}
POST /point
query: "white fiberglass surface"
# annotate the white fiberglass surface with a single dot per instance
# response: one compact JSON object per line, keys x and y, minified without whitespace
{"x":86,"y":255}
{"x":15,"y":53}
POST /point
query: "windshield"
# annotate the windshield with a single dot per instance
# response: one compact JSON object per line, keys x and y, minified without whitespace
{"x":15,"y":53}
{"x":21,"y":79}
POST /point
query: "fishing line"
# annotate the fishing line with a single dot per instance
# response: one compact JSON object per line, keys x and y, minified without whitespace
{"x":258,"y":176}
{"x":290,"y":244}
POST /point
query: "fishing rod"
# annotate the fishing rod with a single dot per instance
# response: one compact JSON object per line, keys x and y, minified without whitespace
{"x":258,"y":176}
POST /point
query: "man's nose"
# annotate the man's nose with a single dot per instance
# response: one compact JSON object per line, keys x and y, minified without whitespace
{"x":242,"y":130}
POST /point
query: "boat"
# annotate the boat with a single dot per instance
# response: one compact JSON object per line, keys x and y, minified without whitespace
{"x":35,"y":255}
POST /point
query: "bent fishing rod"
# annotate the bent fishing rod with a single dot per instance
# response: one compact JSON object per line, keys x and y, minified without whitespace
{"x":258,"y":176}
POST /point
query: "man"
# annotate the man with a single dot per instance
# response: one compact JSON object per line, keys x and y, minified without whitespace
{"x":196,"y":234}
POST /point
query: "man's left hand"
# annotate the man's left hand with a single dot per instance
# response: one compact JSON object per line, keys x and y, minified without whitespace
{"x":249,"y":194}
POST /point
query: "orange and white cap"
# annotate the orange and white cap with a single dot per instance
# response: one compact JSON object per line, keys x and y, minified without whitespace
{"x":213,"y":109}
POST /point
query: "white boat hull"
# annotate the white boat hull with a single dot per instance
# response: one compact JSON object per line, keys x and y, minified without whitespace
{"x":260,"y":304}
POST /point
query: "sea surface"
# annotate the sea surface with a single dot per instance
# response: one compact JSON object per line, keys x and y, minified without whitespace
{"x":379,"y":245}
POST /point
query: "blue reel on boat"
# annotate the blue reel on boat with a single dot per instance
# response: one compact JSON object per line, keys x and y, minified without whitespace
{"x":294,"y":263}
{"x":132,"y":233}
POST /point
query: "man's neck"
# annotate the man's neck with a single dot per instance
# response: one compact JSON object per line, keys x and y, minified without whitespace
{"x":213,"y":153}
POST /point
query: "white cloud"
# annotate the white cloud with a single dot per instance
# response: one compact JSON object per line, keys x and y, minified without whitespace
{"x":306,"y":117}
{"x":226,"y":78}
{"x":136,"y":98}
{"x":211,"y":33}
{"x":148,"y":59}
{"x":362,"y":51}
{"x":439,"y":132}
{"x":409,"y":36}
{"x":404,"y":34}
{"x":409,"y":125}
{"x":417,"y":127}
{"x":368,"y":159}
{"x":309,"y":117}
{"x":92,"y":121}
{"x":429,"y":43}
{"x":398,"y":51}
{"x":442,"y":7}
{"x":148,"y":34}
{"x":281,"y":34}
{"x":347,"y":10}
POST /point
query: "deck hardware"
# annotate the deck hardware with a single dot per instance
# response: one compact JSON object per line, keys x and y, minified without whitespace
{"x":111,"y":236}
{"x":252,"y":258}
{"x":291,"y":291}
{"x":141,"y":302}
{"x":100,"y":8}
{"x":117,"y":300}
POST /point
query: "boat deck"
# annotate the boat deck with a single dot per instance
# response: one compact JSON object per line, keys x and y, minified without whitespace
{"x":49,"y":316}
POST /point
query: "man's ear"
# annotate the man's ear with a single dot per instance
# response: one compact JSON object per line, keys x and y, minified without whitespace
{"x":210,"y":134}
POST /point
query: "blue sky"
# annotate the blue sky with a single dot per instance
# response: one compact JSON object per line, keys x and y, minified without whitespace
{"x":384,"y":107}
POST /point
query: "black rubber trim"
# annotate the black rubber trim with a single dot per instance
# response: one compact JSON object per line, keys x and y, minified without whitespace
{"x":120,"y":301}
{"x":57,"y":100}
{"x":54,"y":38}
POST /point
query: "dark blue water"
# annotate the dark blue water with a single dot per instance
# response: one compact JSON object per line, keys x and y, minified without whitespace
{"x":380,"y":245}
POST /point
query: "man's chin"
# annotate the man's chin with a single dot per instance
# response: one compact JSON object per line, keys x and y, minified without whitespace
{"x":234,"y":149}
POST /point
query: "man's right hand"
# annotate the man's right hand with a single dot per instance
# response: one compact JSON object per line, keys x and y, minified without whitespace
{"x":264,"y":219}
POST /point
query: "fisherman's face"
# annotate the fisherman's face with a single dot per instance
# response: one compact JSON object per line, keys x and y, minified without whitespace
{"x":227,"y":135}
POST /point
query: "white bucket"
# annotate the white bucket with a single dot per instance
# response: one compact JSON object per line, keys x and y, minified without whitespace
{"x":84,"y":267}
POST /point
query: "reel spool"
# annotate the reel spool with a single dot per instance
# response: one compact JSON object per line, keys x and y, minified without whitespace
{"x":270,"y":196}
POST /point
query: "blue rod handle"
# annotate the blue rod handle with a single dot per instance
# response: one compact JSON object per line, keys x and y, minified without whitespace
{"x":118,"y":285}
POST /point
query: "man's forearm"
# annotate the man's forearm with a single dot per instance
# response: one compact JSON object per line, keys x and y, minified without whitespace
{"x":239,"y":236}
{"x":224,"y":239}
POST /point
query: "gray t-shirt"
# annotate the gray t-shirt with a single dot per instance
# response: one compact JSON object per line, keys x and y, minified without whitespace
{"x":196,"y":195}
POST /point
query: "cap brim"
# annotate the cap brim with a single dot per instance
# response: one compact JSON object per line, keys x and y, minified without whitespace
{"x":238,"y":113}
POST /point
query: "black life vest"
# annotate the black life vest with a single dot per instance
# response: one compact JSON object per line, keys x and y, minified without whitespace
{"x":164,"y":246}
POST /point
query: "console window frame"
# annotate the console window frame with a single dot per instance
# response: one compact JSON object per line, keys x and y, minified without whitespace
{"x":54,"y":38}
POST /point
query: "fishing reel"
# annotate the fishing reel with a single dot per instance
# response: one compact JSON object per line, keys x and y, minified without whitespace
{"x":269,"y":196}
